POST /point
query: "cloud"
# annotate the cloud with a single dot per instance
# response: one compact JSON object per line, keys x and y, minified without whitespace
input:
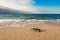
{"x":17,"y":2}
{"x":26,"y":2}
{"x":28,"y":6}
{"x":23,"y":5}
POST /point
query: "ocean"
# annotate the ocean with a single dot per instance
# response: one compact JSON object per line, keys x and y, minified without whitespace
{"x":19,"y":20}
{"x":29,"y":16}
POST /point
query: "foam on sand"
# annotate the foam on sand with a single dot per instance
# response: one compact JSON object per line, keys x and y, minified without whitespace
{"x":23,"y":22}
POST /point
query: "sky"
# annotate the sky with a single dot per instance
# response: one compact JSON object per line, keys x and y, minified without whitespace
{"x":34,"y":6}
{"x":48,"y":2}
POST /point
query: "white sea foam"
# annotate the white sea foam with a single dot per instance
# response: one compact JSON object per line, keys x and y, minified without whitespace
{"x":23,"y":22}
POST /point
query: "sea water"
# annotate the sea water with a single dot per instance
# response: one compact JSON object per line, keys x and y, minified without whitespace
{"x":17,"y":20}
{"x":29,"y":16}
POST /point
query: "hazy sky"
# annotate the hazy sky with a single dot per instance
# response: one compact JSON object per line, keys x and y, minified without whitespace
{"x":34,"y":6}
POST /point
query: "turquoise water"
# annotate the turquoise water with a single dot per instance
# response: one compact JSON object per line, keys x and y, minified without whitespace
{"x":29,"y":16}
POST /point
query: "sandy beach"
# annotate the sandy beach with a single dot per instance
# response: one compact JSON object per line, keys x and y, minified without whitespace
{"x":50,"y":32}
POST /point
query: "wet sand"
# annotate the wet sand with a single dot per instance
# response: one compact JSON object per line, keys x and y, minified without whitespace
{"x":50,"y":32}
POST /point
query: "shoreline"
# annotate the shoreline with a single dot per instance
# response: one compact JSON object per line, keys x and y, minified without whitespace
{"x":51,"y":32}
{"x":24,"y":22}
{"x":21,"y":30}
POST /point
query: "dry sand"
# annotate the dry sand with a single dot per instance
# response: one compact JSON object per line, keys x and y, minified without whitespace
{"x":51,"y":32}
